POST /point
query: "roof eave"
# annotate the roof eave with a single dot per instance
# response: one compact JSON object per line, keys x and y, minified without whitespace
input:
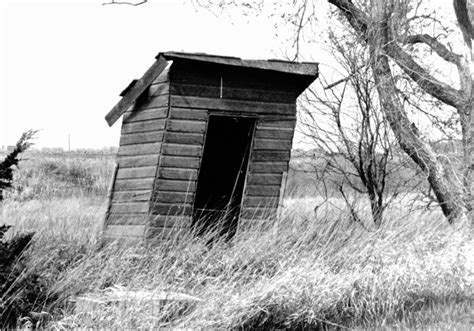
{"x":295,"y":68}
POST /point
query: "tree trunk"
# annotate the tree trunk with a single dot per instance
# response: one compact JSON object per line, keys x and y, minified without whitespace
{"x":376,"y":207}
{"x":451,"y":203}
{"x":375,"y":32}
{"x":469,"y":176}
{"x":448,"y":194}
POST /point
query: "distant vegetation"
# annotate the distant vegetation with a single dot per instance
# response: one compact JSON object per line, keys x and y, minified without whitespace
{"x":312,"y":267}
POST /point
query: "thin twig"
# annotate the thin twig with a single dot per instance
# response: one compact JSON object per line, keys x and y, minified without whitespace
{"x":113,"y":2}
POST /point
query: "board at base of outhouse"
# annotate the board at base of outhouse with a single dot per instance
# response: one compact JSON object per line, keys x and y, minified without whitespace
{"x":205,"y":144}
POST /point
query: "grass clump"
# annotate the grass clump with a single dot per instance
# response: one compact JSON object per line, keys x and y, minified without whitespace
{"x":56,"y":177}
{"x":328,"y":273}
{"x":306,"y":269}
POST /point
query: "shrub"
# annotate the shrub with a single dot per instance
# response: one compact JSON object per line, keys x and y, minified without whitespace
{"x":6,"y":171}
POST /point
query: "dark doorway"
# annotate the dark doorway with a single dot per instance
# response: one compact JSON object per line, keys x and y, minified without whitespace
{"x":222,"y":175}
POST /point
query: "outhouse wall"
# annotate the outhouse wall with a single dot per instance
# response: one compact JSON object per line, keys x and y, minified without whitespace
{"x":199,"y":90}
{"x":143,"y":128}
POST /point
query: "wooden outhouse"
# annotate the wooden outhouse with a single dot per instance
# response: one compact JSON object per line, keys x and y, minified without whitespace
{"x":204,"y":139}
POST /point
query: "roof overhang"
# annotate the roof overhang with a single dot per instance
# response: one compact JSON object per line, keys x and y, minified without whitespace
{"x":295,"y":68}
{"x":136,"y":88}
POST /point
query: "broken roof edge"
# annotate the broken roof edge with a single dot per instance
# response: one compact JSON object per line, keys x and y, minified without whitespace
{"x":133,"y":91}
{"x":164,"y":59}
{"x":297,"y":68}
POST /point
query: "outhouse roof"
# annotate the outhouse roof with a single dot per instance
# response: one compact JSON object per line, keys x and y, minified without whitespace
{"x":137,"y":87}
{"x":297,"y":68}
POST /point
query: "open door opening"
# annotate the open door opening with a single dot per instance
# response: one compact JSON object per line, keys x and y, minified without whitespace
{"x":222,"y":175}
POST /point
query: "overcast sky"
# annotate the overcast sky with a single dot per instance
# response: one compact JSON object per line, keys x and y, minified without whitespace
{"x":63,"y":63}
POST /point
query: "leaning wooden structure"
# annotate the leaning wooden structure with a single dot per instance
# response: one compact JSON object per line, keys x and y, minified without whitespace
{"x":203,"y":138}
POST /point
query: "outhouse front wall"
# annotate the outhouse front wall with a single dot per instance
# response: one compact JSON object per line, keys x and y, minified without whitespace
{"x":163,"y":137}
{"x":198,"y":91}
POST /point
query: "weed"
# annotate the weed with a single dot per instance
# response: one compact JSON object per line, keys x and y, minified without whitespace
{"x":306,"y":269}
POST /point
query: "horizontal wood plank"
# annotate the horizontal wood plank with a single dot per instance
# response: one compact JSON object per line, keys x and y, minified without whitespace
{"x":174,"y":197}
{"x":255,"y":79}
{"x":258,"y":213}
{"x":259,"y":190}
{"x":138,"y":138}
{"x":154,"y":102}
{"x":184,"y":138}
{"x":175,"y":185}
{"x":129,"y":207}
{"x":186,"y":126}
{"x":137,"y":161}
{"x":273,"y":144}
{"x":274,"y":133}
{"x":264,"y":179}
{"x":180,"y":162}
{"x":265,"y":202}
{"x":233,"y":105}
{"x":188,"y":114}
{"x":171,"y":209}
{"x":247,"y":78}
{"x":266,"y":122}
{"x":268,"y":167}
{"x":131,"y":196}
{"x":178,"y":173}
{"x":127,"y":219}
{"x":145,"y":114}
{"x":124,"y":231}
{"x":169,"y":221}
{"x":159,"y":89}
{"x":236,"y":93}
{"x":181,"y":150}
{"x":202,"y":73}
{"x":133,"y":184}
{"x":270,"y":155}
{"x":139,"y":172}
{"x":140,"y":149}
{"x":139,"y":127}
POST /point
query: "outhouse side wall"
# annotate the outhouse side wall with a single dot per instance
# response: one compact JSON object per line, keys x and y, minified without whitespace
{"x":198,"y":90}
{"x":137,"y":161}
{"x":175,"y":186}
{"x":269,"y":160}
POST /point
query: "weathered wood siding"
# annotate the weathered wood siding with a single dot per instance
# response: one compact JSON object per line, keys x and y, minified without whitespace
{"x":162,"y":143}
{"x":141,"y":141}
{"x":197,"y":91}
{"x":175,"y":187}
{"x":269,"y":159}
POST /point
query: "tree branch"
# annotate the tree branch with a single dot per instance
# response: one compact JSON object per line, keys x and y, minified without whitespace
{"x":435,"y":45}
{"x":113,"y":2}
{"x":462,"y":15}
{"x":441,"y":91}
{"x":427,"y":82}
{"x":357,"y":19}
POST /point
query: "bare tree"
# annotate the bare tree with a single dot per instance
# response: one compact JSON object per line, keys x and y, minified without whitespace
{"x":383,"y":26}
{"x":344,"y":121}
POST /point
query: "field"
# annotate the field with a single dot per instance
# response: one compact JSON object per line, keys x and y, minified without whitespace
{"x":308,"y":269}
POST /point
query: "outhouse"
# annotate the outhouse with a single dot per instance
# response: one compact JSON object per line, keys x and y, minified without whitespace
{"x":204,"y":139}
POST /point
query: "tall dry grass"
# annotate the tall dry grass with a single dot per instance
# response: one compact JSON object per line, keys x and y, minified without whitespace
{"x":306,"y":269}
